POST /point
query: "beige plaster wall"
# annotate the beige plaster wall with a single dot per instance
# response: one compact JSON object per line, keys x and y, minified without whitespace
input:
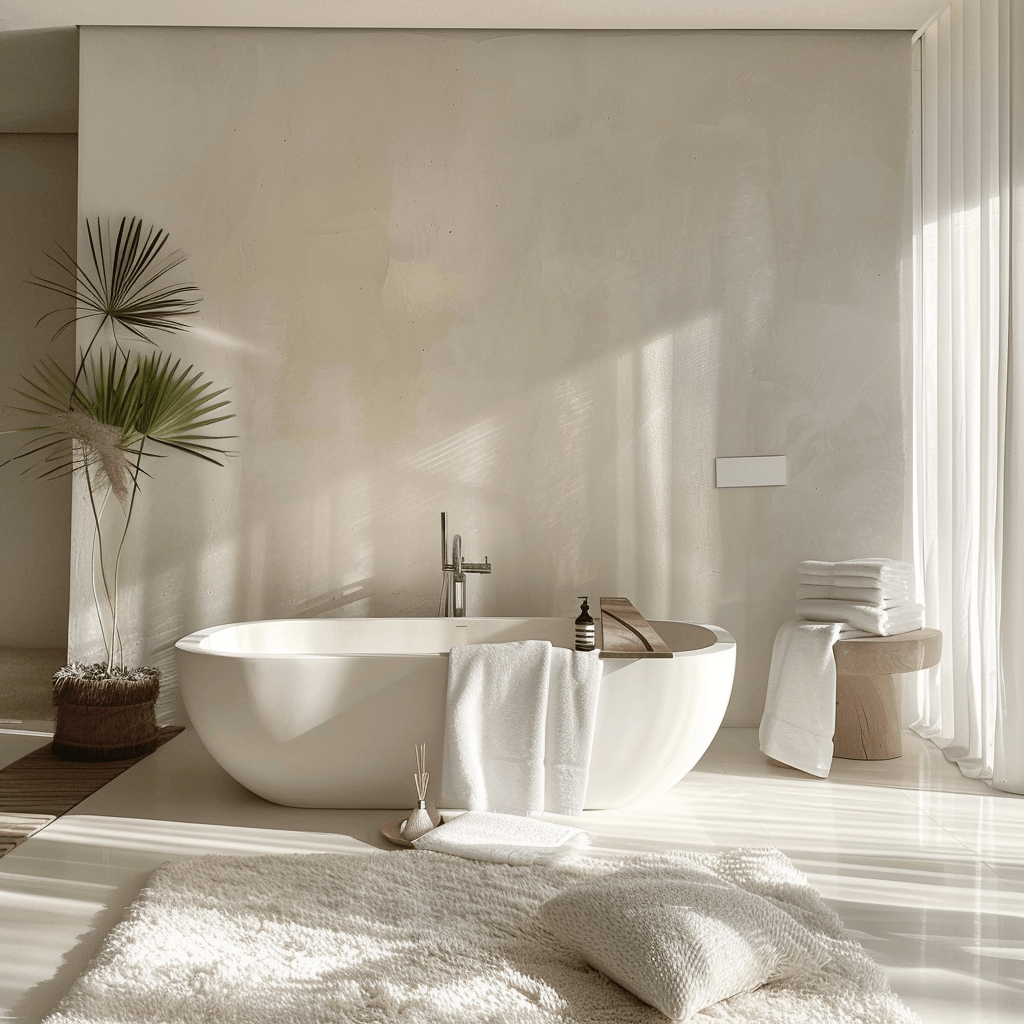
{"x":537,"y":280}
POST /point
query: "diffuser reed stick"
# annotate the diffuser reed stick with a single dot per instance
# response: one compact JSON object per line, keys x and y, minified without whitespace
{"x":419,"y":821}
{"x":422,"y":776}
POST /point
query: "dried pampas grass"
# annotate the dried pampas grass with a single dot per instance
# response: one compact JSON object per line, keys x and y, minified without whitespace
{"x":103,"y":446}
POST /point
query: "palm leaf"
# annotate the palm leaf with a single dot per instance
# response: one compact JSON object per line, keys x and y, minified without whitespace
{"x":125,"y":284}
{"x":105,"y":419}
{"x":175,"y":406}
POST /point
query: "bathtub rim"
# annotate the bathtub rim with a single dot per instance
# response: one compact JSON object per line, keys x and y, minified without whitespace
{"x":192,"y":643}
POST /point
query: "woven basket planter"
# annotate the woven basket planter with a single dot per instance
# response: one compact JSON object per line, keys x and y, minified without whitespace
{"x":103,"y":715}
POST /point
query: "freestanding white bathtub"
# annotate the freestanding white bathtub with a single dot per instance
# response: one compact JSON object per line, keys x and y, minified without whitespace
{"x":325,"y":712}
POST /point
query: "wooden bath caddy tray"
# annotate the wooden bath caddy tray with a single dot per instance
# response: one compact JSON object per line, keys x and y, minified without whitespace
{"x":627,"y":634}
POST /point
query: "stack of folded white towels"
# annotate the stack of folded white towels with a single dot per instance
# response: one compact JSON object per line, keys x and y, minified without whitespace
{"x":834,"y":601}
{"x":871,"y":595}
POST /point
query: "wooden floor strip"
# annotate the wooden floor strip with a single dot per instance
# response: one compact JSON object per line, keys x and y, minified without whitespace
{"x":16,"y":828}
{"x":39,"y":787}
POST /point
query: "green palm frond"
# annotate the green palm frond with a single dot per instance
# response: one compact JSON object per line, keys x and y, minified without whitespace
{"x":125,"y":284}
{"x":103,"y":421}
{"x":174,"y":408}
{"x":80,"y":425}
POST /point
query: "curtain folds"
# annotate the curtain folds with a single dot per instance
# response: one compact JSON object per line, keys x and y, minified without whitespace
{"x":968,"y":389}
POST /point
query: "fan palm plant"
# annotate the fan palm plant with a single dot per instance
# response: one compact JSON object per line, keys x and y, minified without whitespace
{"x":125,"y":286}
{"x":119,"y":409}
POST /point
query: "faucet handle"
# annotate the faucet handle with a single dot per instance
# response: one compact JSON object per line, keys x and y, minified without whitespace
{"x":484,"y":566}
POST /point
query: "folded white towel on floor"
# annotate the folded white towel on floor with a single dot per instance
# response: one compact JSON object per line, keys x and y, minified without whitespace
{"x":799,"y":718}
{"x":519,"y":727}
{"x":900,"y":618}
{"x":503,"y":838}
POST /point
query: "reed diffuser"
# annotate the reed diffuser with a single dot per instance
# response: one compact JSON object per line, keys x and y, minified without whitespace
{"x":420,"y":820}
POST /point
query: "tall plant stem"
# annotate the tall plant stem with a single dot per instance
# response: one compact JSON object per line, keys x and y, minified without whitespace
{"x":95,"y":593}
{"x":99,"y":545}
{"x":120,"y":547}
{"x":82,"y":359}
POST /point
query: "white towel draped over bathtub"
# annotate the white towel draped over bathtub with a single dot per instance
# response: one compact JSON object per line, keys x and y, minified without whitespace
{"x":574,"y":681}
{"x":519,"y":727}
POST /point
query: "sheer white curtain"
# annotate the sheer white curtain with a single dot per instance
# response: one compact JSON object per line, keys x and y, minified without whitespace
{"x":968,"y":385}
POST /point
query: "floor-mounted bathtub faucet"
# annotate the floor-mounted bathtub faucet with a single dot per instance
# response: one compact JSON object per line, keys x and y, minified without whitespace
{"x":453,"y":583}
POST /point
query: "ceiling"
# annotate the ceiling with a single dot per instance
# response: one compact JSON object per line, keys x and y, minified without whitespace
{"x":494,"y":14}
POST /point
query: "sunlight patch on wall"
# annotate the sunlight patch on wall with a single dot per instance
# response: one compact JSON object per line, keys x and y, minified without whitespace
{"x":666,"y":412}
{"x":563,"y":506}
{"x":467,"y":458}
{"x":224,"y":340}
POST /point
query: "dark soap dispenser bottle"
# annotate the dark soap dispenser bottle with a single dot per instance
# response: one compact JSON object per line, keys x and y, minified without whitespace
{"x":584,"y":628}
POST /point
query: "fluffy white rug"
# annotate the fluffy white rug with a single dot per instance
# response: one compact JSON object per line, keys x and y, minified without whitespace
{"x":415,"y":936}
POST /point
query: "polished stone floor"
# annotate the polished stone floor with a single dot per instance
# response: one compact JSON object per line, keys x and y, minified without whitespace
{"x":925,"y":867}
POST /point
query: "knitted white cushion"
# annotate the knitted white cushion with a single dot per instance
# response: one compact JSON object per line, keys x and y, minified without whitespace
{"x":679,"y":942}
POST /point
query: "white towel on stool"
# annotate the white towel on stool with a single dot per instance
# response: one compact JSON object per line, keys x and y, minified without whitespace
{"x":882,"y":571}
{"x":519,"y":727}
{"x":901,"y":618}
{"x":900,"y":590}
{"x":799,"y":718}
{"x":873,"y":567}
{"x":859,"y":595}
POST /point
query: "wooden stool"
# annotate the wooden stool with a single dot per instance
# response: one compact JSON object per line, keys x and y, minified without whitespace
{"x":867,"y":690}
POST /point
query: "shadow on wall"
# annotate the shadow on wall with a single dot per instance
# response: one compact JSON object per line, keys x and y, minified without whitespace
{"x":39,"y":80}
{"x":38,"y":197}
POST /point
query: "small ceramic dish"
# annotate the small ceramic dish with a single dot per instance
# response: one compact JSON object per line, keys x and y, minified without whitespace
{"x":392,"y":830}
